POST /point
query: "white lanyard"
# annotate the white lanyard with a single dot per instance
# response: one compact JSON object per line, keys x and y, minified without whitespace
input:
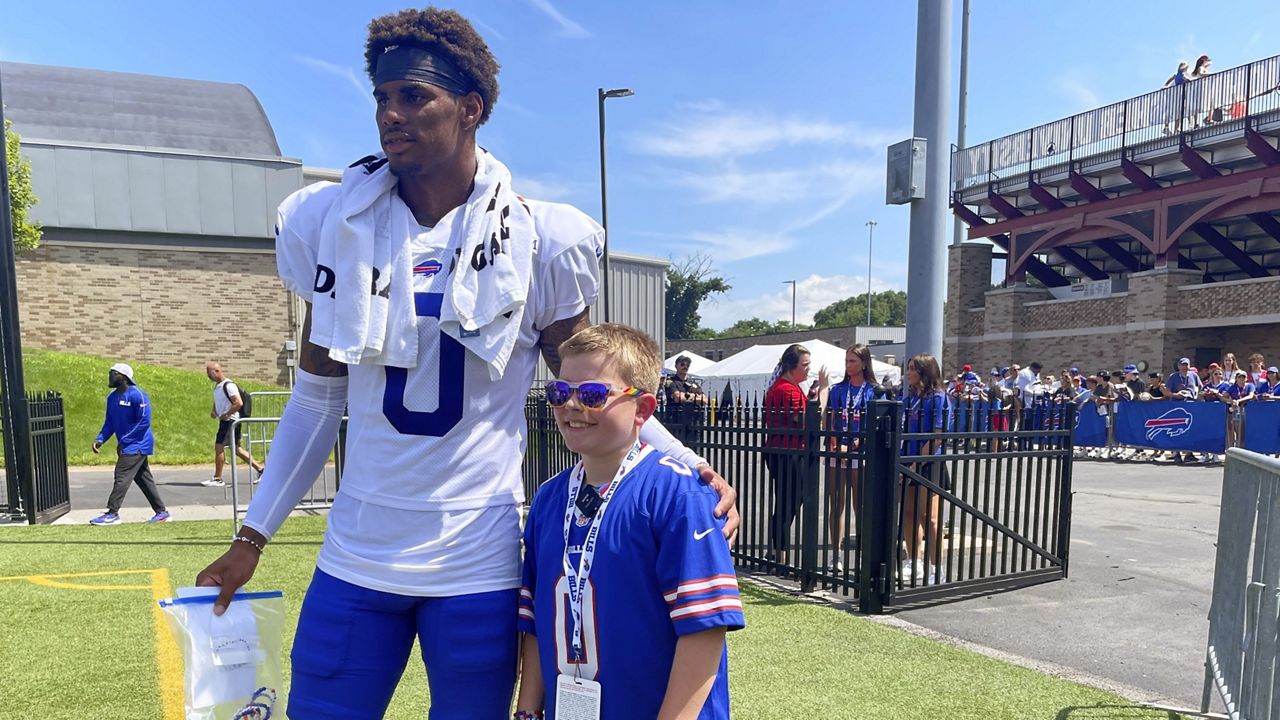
{"x":577,"y":577}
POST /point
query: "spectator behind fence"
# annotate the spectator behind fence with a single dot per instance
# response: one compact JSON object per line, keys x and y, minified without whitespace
{"x":685,"y":400}
{"x":227,"y":404}
{"x":1257,"y":369}
{"x":1269,"y":388}
{"x":1174,"y":106}
{"x":1184,"y":384}
{"x":129,"y":420}
{"x":784,"y":411}
{"x":847,"y":404}
{"x":1237,"y":395}
{"x":1155,"y":387}
{"x":925,"y":410}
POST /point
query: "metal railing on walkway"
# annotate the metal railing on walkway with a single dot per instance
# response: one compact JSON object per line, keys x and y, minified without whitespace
{"x":1214,"y":105}
{"x":1244,"y":614}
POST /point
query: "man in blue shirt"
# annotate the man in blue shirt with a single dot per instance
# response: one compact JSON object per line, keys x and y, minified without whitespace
{"x":129,"y":419}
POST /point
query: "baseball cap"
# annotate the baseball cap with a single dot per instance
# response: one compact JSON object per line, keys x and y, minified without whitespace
{"x":1273,"y":369}
{"x":1131,"y":368}
{"x":124,"y":370}
{"x":1075,"y":371}
{"x":1184,"y":361}
{"x":970,"y":377}
{"x":1004,"y":370}
{"x":995,"y":372}
{"x":1214,"y":366}
{"x":966,"y":368}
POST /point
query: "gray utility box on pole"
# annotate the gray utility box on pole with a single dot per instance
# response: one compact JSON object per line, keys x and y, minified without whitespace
{"x":906,"y":176}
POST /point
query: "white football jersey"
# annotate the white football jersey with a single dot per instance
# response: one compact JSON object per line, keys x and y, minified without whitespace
{"x":433,"y":453}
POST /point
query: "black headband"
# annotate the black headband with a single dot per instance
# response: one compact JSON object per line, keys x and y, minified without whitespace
{"x":400,"y":62}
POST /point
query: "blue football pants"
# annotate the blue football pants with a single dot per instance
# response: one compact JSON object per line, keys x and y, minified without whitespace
{"x":353,"y":643}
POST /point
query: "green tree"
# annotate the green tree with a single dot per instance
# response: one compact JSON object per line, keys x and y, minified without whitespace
{"x":887,"y":308}
{"x":755,"y":326}
{"x":26,"y":234}
{"x":689,"y":282}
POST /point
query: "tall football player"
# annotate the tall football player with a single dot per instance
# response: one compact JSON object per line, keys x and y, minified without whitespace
{"x":432,"y":286}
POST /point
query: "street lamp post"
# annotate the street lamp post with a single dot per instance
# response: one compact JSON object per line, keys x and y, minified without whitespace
{"x":601,"y":96}
{"x":793,"y":302}
{"x":871,"y":229}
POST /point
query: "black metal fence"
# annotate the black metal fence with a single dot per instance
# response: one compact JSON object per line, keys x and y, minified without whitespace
{"x":906,"y":509}
{"x":50,"y":494}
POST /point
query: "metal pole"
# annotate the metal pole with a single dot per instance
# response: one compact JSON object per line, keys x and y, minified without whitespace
{"x":793,"y":301}
{"x":962,"y":121}
{"x":17,"y":423}
{"x":604,"y":210}
{"x":927,"y":252}
{"x":871,"y":229}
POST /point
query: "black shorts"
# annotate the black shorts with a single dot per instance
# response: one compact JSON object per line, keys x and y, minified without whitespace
{"x":935,"y":470}
{"x":224,"y":426}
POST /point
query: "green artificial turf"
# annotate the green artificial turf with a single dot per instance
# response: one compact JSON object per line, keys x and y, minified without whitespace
{"x":74,"y":647}
{"x":180,"y":404}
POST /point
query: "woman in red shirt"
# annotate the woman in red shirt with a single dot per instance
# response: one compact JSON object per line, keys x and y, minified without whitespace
{"x":784,"y":412}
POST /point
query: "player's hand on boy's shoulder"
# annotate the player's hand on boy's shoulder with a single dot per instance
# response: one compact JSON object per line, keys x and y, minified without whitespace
{"x":727,"y":507}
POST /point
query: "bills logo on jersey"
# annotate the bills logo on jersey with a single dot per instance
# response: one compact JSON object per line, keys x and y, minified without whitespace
{"x":427,"y":268}
{"x":1174,"y":423}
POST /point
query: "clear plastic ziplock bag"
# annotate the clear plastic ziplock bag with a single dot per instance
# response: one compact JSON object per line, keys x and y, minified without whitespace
{"x":232,"y":661}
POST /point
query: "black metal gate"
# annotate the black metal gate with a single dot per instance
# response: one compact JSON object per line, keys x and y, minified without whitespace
{"x":997,"y":496}
{"x":49,"y":497}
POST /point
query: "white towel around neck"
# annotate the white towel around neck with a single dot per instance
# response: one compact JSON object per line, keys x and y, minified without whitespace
{"x":369,"y":315}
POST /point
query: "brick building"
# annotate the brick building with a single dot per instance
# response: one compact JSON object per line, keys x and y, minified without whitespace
{"x":1140,"y":232}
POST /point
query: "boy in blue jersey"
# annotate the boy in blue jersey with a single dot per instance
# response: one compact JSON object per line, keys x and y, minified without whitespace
{"x":628,"y":585}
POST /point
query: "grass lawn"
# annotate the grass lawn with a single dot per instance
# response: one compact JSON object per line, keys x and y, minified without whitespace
{"x":180,"y":404}
{"x":83,"y":645}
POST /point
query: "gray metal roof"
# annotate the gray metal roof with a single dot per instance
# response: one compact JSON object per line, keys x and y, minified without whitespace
{"x":82,"y":106}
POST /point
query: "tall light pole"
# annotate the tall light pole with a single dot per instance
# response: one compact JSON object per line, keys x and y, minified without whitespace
{"x":793,"y":302}
{"x":927,"y":248}
{"x":964,"y":101}
{"x":871,"y":229}
{"x":602,"y":95}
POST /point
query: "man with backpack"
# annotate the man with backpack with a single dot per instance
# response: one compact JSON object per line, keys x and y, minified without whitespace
{"x":228,"y":405}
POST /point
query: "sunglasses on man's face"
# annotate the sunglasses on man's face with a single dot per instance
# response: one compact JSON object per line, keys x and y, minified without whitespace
{"x":592,"y":395}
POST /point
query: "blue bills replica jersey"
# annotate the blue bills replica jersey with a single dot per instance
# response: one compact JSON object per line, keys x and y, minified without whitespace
{"x":661,"y":570}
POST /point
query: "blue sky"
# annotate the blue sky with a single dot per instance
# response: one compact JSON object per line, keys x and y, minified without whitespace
{"x":757,"y":132}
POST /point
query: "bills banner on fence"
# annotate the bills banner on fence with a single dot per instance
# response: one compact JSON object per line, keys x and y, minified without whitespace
{"x":1262,"y":427}
{"x":1173,"y":425}
{"x":1091,"y":428}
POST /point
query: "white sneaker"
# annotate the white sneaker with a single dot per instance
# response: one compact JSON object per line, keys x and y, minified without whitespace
{"x":213,"y":482}
{"x":935,"y":575}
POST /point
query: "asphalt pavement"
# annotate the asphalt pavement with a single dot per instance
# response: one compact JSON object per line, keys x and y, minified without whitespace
{"x":1132,"y":614}
{"x":1134,"y":608}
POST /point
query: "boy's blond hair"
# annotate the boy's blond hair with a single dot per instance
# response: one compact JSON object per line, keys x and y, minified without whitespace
{"x":633,"y":353}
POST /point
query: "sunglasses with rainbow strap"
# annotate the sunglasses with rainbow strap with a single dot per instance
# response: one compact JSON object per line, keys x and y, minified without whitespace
{"x":592,"y":395}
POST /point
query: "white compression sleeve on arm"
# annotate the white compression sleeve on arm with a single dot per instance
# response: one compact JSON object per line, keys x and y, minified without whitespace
{"x":300,"y":448}
{"x":655,"y":434}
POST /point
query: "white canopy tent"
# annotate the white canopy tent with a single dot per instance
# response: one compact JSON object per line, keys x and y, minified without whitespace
{"x":697,"y":363}
{"x":749,"y":371}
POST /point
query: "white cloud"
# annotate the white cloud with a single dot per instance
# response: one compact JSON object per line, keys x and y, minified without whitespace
{"x":1083,"y":96}
{"x":732,"y":245}
{"x":709,"y":130}
{"x":780,"y":185}
{"x":542,"y":188}
{"x":812,"y":294}
{"x":568,"y":28}
{"x":340,"y":71}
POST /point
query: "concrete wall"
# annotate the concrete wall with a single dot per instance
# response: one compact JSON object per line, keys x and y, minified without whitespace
{"x":1165,"y":314}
